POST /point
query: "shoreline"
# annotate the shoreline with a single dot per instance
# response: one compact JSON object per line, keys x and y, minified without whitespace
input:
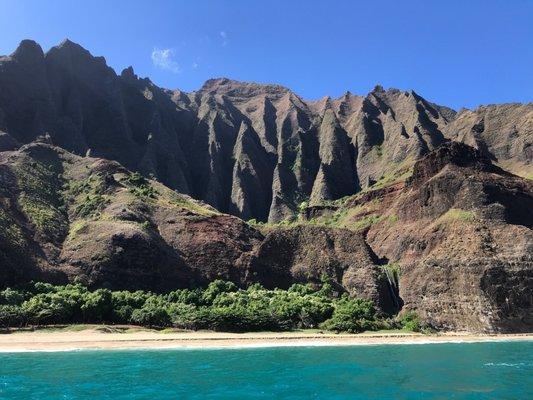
{"x":92,"y":339}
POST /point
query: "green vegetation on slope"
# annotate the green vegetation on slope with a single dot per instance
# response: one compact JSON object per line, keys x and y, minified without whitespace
{"x":11,"y":232}
{"x":86,"y":197}
{"x":404,"y":171}
{"x":61,"y":196}
{"x":185,"y":202}
{"x":40,"y":198}
{"x":140,"y":187}
{"x":457,"y":214}
{"x":221,"y":306}
{"x":355,"y":218}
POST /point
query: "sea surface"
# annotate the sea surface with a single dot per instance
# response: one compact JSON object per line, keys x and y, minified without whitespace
{"x":502,"y":370}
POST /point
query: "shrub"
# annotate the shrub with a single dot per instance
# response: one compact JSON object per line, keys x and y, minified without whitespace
{"x":12,"y":315}
{"x":50,"y":308}
{"x":91,"y":205}
{"x":301,"y":289}
{"x":351,"y":315}
{"x":410,"y":321}
{"x":221,"y":306}
{"x":98,"y":306}
{"x":327,"y":285}
{"x":215,"y":288}
{"x":152,"y":313}
{"x":136,"y":179}
{"x":185,"y":296}
{"x":302,"y":207}
{"x":12,"y":297}
{"x":184,"y":316}
{"x":123,"y":313}
{"x":140,"y":187}
{"x":124,"y":303}
{"x":41,"y":287}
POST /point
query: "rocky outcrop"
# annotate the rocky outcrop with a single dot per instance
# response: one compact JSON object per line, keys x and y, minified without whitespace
{"x":502,"y":132}
{"x":461,"y":230}
{"x":67,"y":218}
{"x":458,"y":234}
{"x":305,"y":253}
{"x":255,"y":151}
{"x":70,"y":218}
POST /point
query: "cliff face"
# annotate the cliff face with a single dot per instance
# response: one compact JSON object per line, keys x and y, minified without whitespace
{"x":461,"y":230}
{"x":458,"y":232}
{"x":422,"y":221}
{"x":255,"y":151}
{"x":306,"y":253}
{"x":502,"y":132}
{"x":68,"y":218}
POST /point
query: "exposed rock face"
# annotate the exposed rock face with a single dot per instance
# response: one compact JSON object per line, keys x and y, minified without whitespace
{"x":459,"y":226}
{"x":69,"y":218}
{"x":459,"y":230}
{"x":503,"y":133}
{"x":305,"y":253}
{"x":7,"y":142}
{"x":462,"y":234}
{"x":255,"y":151}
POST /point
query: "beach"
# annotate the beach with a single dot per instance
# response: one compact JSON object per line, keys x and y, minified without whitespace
{"x":97,"y":338}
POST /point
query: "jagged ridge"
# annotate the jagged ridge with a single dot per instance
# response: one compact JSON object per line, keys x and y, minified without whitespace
{"x":256,"y":151}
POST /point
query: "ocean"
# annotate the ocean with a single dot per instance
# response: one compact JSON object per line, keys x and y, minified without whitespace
{"x":496,"y":370}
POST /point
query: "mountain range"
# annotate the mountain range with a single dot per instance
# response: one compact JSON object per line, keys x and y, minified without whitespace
{"x":254,"y":151}
{"x":115,"y":182}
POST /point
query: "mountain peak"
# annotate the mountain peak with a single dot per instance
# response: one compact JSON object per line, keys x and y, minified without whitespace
{"x":70,"y":47}
{"x":128,"y":73}
{"x":66,"y":42}
{"x":68,"y":52}
{"x":451,"y":153}
{"x":28,"y":51}
{"x":69,"y":44}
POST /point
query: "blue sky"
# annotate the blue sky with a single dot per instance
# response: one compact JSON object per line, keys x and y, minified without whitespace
{"x":457,"y":53}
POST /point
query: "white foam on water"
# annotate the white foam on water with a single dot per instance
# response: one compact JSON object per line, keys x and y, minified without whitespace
{"x":503,"y":364}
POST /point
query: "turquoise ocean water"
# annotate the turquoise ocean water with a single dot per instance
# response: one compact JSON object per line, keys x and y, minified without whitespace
{"x":436,"y":371}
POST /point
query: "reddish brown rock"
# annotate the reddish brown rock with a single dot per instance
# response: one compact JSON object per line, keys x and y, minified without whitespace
{"x":253,"y":150}
{"x":305,"y":253}
{"x":463,"y":238}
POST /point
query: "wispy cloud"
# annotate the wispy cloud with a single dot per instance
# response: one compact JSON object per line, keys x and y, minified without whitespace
{"x":224,"y":37}
{"x":163,"y":58}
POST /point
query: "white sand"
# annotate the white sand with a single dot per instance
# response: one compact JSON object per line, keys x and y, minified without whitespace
{"x":94,"y":339}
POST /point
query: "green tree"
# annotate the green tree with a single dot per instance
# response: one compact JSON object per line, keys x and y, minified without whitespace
{"x":153,"y":313}
{"x":327,"y":285}
{"x":50,"y":308}
{"x":185,"y":296}
{"x":221,"y":306}
{"x":98,"y":306}
{"x":351,"y":315}
{"x":11,"y":316}
{"x":11,"y":296}
{"x":215,"y":288}
{"x":410,"y":321}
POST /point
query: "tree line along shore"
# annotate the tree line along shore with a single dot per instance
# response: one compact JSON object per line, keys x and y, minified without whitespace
{"x":221,"y":306}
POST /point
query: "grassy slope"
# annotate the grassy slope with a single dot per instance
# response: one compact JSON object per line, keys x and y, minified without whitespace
{"x":343,"y":215}
{"x":60,"y":194}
